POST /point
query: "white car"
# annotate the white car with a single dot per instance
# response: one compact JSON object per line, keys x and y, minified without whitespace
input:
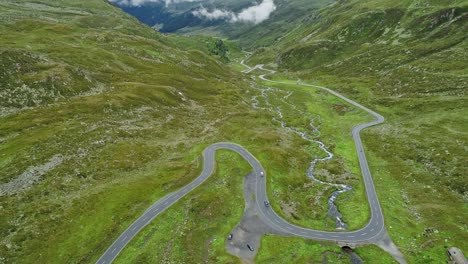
{"x":262,"y":174}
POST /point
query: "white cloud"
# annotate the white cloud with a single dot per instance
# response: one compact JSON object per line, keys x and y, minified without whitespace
{"x":254,"y":14}
{"x":257,"y":13}
{"x":213,"y":15}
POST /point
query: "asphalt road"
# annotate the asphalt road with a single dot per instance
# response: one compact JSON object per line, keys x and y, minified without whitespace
{"x":368,"y":234}
{"x":375,"y":226}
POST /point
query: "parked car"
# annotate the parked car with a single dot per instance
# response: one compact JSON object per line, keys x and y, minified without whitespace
{"x":250,"y":247}
{"x":230,"y":236}
{"x":267,"y":204}
{"x":262,"y":174}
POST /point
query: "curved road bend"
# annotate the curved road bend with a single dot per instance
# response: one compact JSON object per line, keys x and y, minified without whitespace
{"x":170,"y":199}
{"x":368,"y":234}
{"x":376,"y":224}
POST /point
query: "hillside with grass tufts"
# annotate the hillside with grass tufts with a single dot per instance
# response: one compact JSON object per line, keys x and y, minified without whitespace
{"x":102,"y":115}
{"x":408,"y":61}
{"x":400,"y":49}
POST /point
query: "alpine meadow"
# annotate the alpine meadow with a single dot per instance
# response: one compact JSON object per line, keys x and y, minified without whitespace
{"x":232,"y":131}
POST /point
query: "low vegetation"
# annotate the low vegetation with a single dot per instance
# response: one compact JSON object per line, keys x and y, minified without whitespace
{"x":297,"y":250}
{"x":195,"y":229}
{"x":101,"y":116}
{"x":407,"y":61}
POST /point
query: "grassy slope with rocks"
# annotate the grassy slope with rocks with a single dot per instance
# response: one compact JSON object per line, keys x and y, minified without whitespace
{"x":406,"y":60}
{"x":101,"y":116}
{"x":194,"y":230}
{"x":303,"y":201}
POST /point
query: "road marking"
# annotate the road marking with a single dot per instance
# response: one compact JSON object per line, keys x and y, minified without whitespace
{"x":133,"y":228}
{"x":114,"y":250}
{"x":372,"y":229}
{"x":363,"y":234}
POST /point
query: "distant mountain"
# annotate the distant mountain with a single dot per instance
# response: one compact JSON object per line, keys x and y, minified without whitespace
{"x":179,"y":17}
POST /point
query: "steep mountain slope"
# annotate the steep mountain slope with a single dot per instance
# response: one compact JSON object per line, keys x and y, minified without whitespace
{"x":100,"y":116}
{"x":54,"y":52}
{"x":286,"y":18}
{"x":381,"y":40}
{"x":381,"y":49}
{"x":408,"y":61}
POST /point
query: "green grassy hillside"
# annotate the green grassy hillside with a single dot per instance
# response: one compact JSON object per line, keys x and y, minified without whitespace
{"x":100,"y":116}
{"x":378,"y":41}
{"x":408,"y":61}
{"x":286,"y":18}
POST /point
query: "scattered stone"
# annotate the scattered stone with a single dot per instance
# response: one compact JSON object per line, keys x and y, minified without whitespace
{"x":30,"y":176}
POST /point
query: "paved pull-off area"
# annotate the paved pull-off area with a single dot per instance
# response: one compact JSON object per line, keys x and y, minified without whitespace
{"x":373,"y":233}
{"x":251,"y":228}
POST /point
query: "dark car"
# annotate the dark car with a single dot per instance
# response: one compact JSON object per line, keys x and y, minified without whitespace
{"x":250,"y":247}
{"x":267,"y":204}
{"x":230,"y":237}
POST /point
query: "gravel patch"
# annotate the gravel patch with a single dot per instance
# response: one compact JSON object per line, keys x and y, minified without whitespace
{"x":32,"y":175}
{"x":251,"y":228}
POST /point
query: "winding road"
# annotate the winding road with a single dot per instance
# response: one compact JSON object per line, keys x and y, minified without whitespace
{"x":371,"y":233}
